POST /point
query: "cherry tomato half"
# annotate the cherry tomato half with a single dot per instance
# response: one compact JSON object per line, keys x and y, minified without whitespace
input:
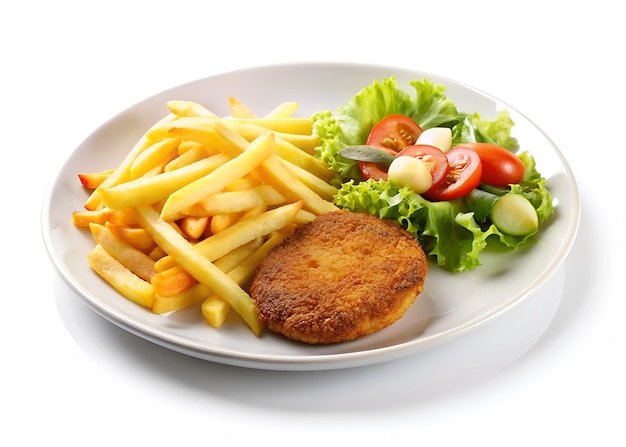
{"x":376,"y":171}
{"x":434,"y":158}
{"x":394,"y":132}
{"x":464,"y":175}
{"x":500,"y":167}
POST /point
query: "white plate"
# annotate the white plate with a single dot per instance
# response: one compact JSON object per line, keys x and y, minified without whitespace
{"x":451,"y":304}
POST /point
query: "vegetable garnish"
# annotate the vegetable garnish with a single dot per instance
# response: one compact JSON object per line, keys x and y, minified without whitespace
{"x":367,"y":153}
{"x":458,"y":212}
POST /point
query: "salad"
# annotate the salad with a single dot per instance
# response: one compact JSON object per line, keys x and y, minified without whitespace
{"x":477,"y":184}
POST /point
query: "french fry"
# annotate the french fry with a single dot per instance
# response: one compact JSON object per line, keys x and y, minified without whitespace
{"x":203,"y":270}
{"x":135,"y":236}
{"x":215,"y":311}
{"x":293,"y":154}
{"x":218,"y":179}
{"x":157,"y":254}
{"x":84,"y":217}
{"x":148,"y":190}
{"x":188,"y":108}
{"x":243,"y":183}
{"x":130,"y":257}
{"x":220,"y":222}
{"x":261,"y":126}
{"x":236,"y":201}
{"x":325,"y":190}
{"x":233,"y":258}
{"x":191,"y":154}
{"x":172,"y":281}
{"x":155,"y":156}
{"x":124,"y":217}
{"x":189,"y":297}
{"x":193,"y":227}
{"x":283,"y":110}
{"x":239,"y":109}
{"x":92,"y":180}
{"x":118,"y":276}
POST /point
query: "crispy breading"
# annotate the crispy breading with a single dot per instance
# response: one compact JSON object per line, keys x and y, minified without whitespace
{"x":340,"y":277}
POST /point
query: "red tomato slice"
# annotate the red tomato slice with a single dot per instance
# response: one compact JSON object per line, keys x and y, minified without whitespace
{"x":394,"y":132}
{"x":434,"y":158}
{"x":464,"y":175}
{"x":376,"y":171}
{"x":500,"y":167}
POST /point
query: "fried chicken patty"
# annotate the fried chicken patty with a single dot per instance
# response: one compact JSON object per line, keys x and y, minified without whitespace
{"x":342,"y":276}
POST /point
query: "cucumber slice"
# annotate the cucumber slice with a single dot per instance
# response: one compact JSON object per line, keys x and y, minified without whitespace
{"x":513,"y":214}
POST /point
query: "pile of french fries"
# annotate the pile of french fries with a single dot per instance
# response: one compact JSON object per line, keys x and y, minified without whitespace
{"x":191,"y":211}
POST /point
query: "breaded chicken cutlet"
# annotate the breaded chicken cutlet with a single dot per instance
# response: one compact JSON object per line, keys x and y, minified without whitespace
{"x":340,"y":277}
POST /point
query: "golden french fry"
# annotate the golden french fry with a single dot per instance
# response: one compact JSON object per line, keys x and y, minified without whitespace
{"x":187,"y":298}
{"x":260,"y":126}
{"x":92,"y":180}
{"x":222,"y":221}
{"x":157,"y":155}
{"x":230,"y":260}
{"x":218,"y":179}
{"x":124,"y":217}
{"x":236,"y":201}
{"x":203,"y":270}
{"x":325,"y":190}
{"x":122,"y":279}
{"x":303,"y":217}
{"x":84,"y":217}
{"x":243,"y":183}
{"x":157,"y":254}
{"x":188,"y":108}
{"x":294,"y":155}
{"x":283,"y":110}
{"x":215,"y":311}
{"x":135,"y":236}
{"x":148,"y":190}
{"x":130,"y":257}
{"x":250,"y":132}
{"x":239,"y":109}
{"x":190,"y":155}
{"x":172,"y":281}
{"x":193,"y":227}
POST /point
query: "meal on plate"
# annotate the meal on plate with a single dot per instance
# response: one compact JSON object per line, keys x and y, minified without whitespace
{"x":317,"y":227}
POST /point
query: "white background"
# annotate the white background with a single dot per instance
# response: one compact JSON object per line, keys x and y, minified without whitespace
{"x":71,"y":378}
